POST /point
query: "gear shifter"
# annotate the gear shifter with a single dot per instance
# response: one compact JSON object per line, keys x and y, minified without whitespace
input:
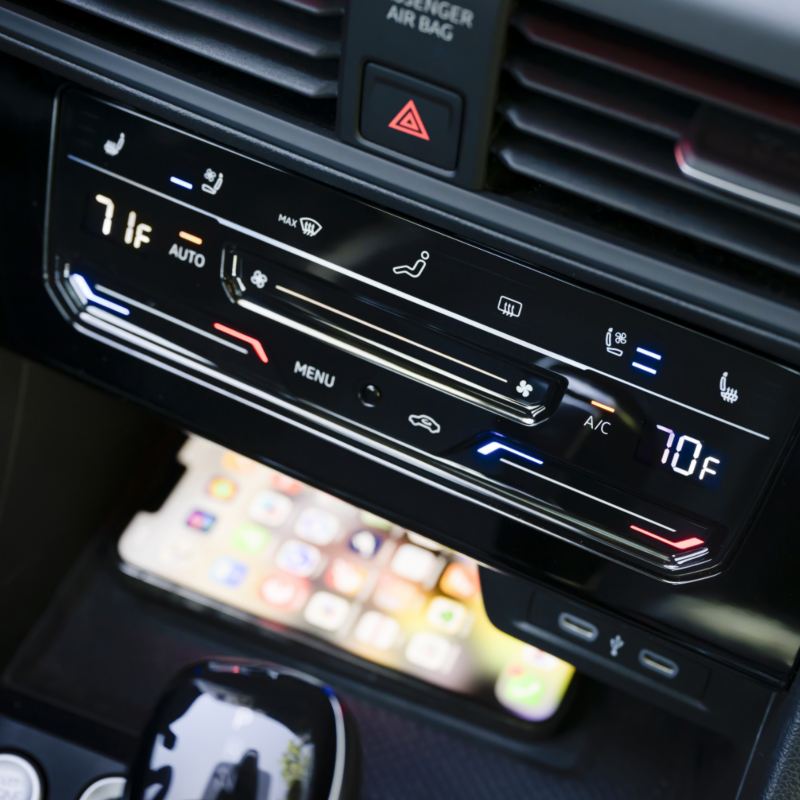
{"x":246,"y":731}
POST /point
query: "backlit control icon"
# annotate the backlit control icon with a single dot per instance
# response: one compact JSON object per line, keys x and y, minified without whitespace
{"x":615,"y":644}
{"x":426,"y":422}
{"x":726,"y":392}
{"x":213,"y":181}
{"x":613,"y":339}
{"x":509,"y":307}
{"x":408,"y":120}
{"x":113,"y":147}
{"x":259,"y":279}
{"x":524,"y":389}
{"x":416,"y":269}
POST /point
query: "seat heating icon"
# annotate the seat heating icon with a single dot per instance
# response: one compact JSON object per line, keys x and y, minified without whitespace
{"x":409,"y":120}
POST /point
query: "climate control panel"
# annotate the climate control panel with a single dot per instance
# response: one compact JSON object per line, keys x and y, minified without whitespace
{"x":580,"y":416}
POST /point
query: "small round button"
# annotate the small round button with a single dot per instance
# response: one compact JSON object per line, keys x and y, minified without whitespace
{"x":19,"y":779}
{"x":111,"y":788}
{"x":369,"y":395}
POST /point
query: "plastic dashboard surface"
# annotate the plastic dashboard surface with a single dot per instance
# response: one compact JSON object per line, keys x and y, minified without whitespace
{"x":579,"y":416}
{"x":758,"y":561}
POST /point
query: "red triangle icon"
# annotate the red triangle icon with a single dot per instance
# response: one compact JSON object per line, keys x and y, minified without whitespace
{"x":408,"y":120}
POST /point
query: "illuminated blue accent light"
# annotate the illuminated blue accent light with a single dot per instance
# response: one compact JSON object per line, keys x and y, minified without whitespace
{"x":181,"y":182}
{"x":648,"y":353}
{"x":492,"y":447}
{"x":644,"y":368}
{"x":88,"y":295}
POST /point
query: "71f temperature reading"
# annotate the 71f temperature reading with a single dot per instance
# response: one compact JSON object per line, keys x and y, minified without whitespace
{"x":684,"y":454}
{"x":136,"y":233}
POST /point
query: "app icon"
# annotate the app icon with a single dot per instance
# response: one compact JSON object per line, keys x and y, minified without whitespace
{"x":251,"y":538}
{"x":460,"y":581}
{"x":317,"y":526}
{"x":377,"y":630}
{"x":394,"y":595}
{"x":223,"y":489}
{"x":415,"y":564}
{"x":270,"y":509}
{"x":432,"y":652}
{"x":228,"y":572}
{"x":424,"y":541}
{"x":285,"y":592}
{"x":201,"y":520}
{"x":286,"y":485}
{"x":241,"y":465}
{"x":327,"y":611}
{"x":346,"y":577}
{"x":376,"y":522}
{"x":298,"y":558}
{"x":521,"y":689}
{"x":365,"y":543}
{"x":179,"y":551}
{"x":448,"y":616}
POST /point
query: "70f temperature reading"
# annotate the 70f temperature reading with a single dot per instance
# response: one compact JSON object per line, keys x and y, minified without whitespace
{"x":684,"y":455}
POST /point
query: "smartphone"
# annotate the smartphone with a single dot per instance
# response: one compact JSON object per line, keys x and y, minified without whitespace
{"x":253,"y":543}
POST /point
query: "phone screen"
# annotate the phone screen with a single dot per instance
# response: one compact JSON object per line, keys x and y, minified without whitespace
{"x":253,"y":542}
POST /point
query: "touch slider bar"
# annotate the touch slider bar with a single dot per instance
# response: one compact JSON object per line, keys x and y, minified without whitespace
{"x":441,"y":381}
{"x":405,"y":295}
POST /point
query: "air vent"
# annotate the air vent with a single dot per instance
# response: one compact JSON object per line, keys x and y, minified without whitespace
{"x":591,"y":118}
{"x":289,"y":46}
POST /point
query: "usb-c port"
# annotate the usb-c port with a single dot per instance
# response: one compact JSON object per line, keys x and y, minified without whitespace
{"x":665,"y":667}
{"x":577,"y":627}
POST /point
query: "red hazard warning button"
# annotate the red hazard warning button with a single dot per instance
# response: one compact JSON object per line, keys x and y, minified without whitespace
{"x":411,"y":117}
{"x":409,"y":121}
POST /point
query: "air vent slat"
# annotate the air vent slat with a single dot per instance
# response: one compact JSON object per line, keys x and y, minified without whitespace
{"x":603,"y":92}
{"x":638,"y":151}
{"x":602,"y":125}
{"x":273,"y":24}
{"x":291,"y":44}
{"x":649,"y":60}
{"x":321,"y":8}
{"x":635,"y":195}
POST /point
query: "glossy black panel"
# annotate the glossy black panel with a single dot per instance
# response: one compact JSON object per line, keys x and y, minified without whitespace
{"x":583,"y":417}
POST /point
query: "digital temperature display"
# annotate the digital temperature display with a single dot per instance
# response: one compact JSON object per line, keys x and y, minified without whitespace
{"x":104,"y":218}
{"x":680,"y":454}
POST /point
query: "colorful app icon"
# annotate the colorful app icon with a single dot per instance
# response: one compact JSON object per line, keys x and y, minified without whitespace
{"x":327,"y":611}
{"x":375,"y":522}
{"x":345,"y":577}
{"x":270,"y":508}
{"x":228,"y":572}
{"x":317,"y":526}
{"x":431,"y":652}
{"x":521,"y":689}
{"x":251,"y":538}
{"x":241,"y":465}
{"x":365,"y":543}
{"x":222,"y":489}
{"x":448,"y":616}
{"x":285,"y":592}
{"x":415,"y":564}
{"x":533,"y":684}
{"x":284,"y":484}
{"x":395,"y":595}
{"x":460,"y":581}
{"x":298,"y":558}
{"x":377,"y":630}
{"x":201,"y":521}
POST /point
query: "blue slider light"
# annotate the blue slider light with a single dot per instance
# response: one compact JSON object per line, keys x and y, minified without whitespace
{"x":493,"y":446}
{"x":88,"y":295}
{"x":181,"y":182}
{"x":656,"y":357}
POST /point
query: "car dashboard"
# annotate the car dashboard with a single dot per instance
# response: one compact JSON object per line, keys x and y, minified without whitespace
{"x":518,"y":277}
